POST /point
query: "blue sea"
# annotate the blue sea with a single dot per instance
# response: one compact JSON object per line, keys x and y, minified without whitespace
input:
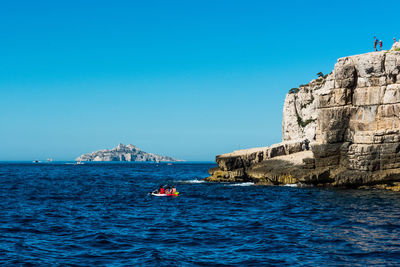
{"x":102,"y":215}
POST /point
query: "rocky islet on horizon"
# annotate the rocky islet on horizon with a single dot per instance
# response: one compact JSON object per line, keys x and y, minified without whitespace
{"x":125,"y":153}
{"x":342,"y":129}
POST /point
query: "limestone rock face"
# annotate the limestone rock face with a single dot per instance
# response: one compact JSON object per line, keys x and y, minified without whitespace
{"x":352,"y":119}
{"x":299,"y":116}
{"x":123,"y":153}
{"x":369,"y":122}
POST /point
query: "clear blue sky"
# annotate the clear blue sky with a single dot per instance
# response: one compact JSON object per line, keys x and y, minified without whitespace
{"x":189,"y":79}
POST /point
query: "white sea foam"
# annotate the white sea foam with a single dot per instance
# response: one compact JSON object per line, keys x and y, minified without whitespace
{"x":291,"y":185}
{"x":195,"y":181}
{"x":242,"y":184}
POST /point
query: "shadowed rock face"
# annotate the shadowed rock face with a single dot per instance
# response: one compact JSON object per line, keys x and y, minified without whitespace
{"x":352,"y":119}
{"x":123,"y":153}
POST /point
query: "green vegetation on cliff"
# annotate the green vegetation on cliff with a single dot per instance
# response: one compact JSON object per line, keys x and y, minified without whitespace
{"x":304,"y":123}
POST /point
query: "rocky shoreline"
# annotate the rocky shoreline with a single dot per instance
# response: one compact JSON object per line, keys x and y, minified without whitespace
{"x":340,"y":130}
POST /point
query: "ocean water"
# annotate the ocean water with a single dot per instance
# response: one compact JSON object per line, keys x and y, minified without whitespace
{"x":101,"y":214}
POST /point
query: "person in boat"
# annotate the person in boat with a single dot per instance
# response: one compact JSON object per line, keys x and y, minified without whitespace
{"x":161,"y":190}
{"x":168,"y":190}
{"x":173,"y":190}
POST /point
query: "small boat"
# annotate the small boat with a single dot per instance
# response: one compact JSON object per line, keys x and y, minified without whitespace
{"x":78,"y":163}
{"x":165,"y":195}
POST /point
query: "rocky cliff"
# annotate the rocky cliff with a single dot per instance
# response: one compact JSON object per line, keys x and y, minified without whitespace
{"x":342,"y":129}
{"x":123,"y":153}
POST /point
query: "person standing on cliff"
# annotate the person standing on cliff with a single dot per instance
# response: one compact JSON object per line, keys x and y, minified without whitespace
{"x":376,"y":43}
{"x":394,"y":39}
{"x":380,"y":45}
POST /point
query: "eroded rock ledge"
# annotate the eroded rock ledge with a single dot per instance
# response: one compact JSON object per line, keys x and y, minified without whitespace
{"x":342,"y":129}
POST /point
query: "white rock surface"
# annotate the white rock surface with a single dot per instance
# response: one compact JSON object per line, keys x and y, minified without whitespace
{"x":299,"y":110}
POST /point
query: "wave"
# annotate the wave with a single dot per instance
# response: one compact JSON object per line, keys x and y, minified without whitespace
{"x":242,"y":184}
{"x":290,"y":185}
{"x":195,"y":181}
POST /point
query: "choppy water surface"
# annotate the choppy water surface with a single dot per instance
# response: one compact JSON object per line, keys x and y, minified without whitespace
{"x":101,"y":214}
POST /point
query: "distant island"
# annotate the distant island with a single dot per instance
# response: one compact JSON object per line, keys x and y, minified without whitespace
{"x":124,"y":153}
